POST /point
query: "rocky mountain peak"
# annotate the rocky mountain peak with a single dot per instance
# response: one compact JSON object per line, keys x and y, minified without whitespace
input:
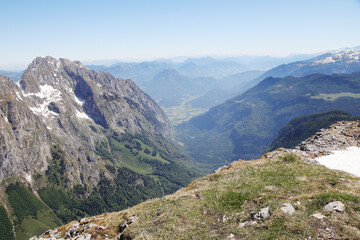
{"x":68,"y":86}
{"x":63,"y":99}
{"x":342,"y":57}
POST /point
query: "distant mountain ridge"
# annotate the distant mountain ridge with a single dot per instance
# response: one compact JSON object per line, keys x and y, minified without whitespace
{"x":243,"y":126}
{"x":342,"y":61}
{"x":14,"y":75}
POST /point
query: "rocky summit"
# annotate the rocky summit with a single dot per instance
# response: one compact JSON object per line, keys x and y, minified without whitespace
{"x":79,"y":136}
{"x":283,"y":195}
{"x":67,"y":101}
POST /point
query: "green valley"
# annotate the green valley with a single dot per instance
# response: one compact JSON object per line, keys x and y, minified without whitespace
{"x":244,"y":126}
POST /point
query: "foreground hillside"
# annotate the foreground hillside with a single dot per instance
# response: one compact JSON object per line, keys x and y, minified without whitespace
{"x":282,"y":195}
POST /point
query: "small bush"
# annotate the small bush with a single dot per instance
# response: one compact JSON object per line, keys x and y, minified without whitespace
{"x":147,"y":151}
{"x":233,"y":199}
{"x":290,"y":158}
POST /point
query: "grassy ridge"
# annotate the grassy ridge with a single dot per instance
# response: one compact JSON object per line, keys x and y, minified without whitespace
{"x":213,"y":207}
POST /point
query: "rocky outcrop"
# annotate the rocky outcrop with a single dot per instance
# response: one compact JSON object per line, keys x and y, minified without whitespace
{"x":335,"y":206}
{"x":263,"y":214}
{"x":339,"y":136}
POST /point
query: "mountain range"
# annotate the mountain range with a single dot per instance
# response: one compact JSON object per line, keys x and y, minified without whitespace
{"x":82,"y":141}
{"x":224,"y":73}
{"x":242,"y":127}
{"x":346,"y":61}
{"x":77,"y":142}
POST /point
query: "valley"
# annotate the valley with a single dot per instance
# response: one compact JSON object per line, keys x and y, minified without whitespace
{"x":99,"y":144}
{"x":146,"y":120}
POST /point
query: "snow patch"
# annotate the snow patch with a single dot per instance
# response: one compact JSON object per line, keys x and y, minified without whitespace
{"x":347,"y":56}
{"x":18,"y":95}
{"x":47,"y":94}
{"x":27,"y":177}
{"x":346,"y":160}
{"x":77,"y":100}
{"x":42,"y":110}
{"x":325,"y":61}
{"x":6,"y":119}
{"x":82,"y":115}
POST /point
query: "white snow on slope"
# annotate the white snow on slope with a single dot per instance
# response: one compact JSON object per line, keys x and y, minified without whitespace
{"x":325,"y":61}
{"x":27,"y":177}
{"x":347,"y":56}
{"x":79,"y":101}
{"x":18,"y":95}
{"x":82,"y":115}
{"x":346,"y":160}
{"x":47,"y":94}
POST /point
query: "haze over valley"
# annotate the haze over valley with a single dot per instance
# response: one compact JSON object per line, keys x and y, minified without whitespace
{"x":180,"y":120}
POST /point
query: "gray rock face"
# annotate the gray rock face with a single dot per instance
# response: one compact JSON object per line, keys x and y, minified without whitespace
{"x":335,"y":206}
{"x":339,"y":136}
{"x":62,"y":102}
{"x":23,"y":136}
{"x":110,"y":102}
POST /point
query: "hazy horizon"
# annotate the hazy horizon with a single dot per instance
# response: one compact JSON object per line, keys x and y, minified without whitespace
{"x":140,"y":30}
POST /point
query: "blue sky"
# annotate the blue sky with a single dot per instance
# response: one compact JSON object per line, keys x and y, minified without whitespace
{"x":134,"y":30}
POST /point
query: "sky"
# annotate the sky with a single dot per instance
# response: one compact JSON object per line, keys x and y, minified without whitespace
{"x":136,"y":30}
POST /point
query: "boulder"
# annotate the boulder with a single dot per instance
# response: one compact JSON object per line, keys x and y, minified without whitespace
{"x":318,"y":216}
{"x":263,"y":214}
{"x":288,"y":208}
{"x":335,"y":206}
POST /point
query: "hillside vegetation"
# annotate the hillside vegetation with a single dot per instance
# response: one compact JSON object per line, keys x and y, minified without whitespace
{"x":244,"y":126}
{"x":300,"y":128}
{"x":225,"y":205}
